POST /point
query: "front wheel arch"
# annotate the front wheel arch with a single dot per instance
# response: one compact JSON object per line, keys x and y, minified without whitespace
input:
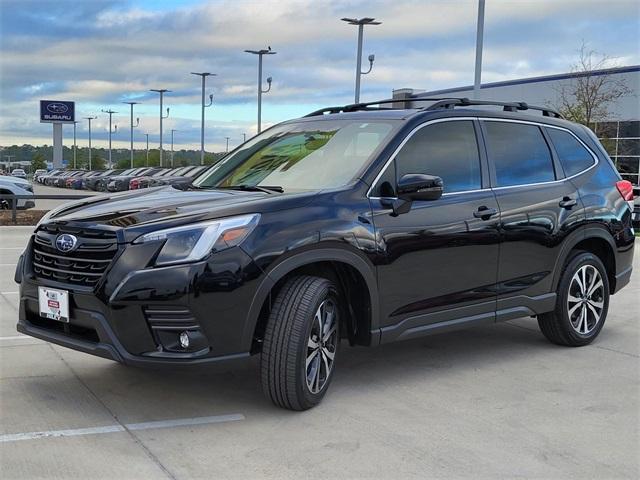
{"x":310,"y":259}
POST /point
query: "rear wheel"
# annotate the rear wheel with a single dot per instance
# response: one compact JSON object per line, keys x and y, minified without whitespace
{"x":301,"y":342}
{"x":581,"y":305}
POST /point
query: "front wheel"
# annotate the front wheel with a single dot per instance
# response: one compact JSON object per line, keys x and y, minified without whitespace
{"x":582,"y":303}
{"x":301,"y":342}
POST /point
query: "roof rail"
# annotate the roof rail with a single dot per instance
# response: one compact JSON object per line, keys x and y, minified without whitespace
{"x":506,"y":106}
{"x":356,"y":107}
{"x":440,"y":103}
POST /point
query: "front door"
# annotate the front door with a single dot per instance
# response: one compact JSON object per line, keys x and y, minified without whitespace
{"x":439,"y":259}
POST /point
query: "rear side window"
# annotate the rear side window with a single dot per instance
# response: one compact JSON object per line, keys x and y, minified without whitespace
{"x":573,"y":156}
{"x":446,"y":149}
{"x":519,"y":153}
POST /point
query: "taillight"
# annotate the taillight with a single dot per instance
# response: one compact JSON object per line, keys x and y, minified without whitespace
{"x":625,"y":187}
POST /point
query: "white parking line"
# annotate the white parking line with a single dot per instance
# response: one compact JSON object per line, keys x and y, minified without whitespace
{"x":15,"y":337}
{"x":8,"y":264}
{"x":9,"y":293}
{"x":11,"y":248}
{"x":180,"y":422}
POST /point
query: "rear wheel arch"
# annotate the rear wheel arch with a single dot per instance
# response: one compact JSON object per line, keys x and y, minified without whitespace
{"x":353,"y":274}
{"x":593,"y":239}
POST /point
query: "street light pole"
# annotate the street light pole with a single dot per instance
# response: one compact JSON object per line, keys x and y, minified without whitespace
{"x":244,"y":138}
{"x":74,"y":144}
{"x":260,"y":53}
{"x":110,"y":112}
{"x":479,"y":40}
{"x":204,"y":75}
{"x":361,"y":23}
{"x":161,"y":92}
{"x":132,"y":127}
{"x":147,"y":162}
{"x":227,"y":150}
{"x":172,"y":130}
{"x":90,"y":118}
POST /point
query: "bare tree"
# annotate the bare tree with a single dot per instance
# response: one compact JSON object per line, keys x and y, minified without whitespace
{"x":586,"y":97}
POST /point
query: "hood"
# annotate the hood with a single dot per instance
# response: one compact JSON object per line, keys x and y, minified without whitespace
{"x":14,"y":180}
{"x":162,"y":206}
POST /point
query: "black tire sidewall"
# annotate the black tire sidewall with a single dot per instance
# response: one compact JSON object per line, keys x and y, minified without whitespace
{"x":327,"y":291}
{"x":578,"y":261}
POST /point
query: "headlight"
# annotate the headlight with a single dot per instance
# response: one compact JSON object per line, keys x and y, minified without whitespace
{"x":190,"y":243}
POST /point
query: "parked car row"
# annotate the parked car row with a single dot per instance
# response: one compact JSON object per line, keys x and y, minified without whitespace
{"x":117,"y":180}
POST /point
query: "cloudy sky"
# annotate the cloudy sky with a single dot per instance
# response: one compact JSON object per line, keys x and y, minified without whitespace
{"x":100,"y":53}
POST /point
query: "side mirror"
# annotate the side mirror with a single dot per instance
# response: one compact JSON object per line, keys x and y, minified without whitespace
{"x":416,"y":186}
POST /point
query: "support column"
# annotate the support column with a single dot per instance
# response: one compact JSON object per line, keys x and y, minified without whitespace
{"x":57,"y":145}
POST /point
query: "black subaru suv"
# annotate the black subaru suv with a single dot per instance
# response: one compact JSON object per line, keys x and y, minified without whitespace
{"x":365,"y":222}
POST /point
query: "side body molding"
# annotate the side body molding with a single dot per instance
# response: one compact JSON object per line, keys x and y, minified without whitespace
{"x":306,"y":257}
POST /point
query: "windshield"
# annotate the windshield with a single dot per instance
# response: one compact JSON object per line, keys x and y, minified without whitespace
{"x":309,"y":155}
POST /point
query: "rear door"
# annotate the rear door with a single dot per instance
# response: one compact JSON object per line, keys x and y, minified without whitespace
{"x":539,"y":207}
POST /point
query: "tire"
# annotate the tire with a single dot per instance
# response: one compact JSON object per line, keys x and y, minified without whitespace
{"x":293,"y":376}
{"x":578,"y":317}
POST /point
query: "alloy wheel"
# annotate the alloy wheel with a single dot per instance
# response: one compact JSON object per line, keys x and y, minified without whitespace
{"x":321,"y":346}
{"x":585,"y":301}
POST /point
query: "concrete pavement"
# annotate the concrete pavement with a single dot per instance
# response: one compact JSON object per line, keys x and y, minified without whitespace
{"x":490,"y":402}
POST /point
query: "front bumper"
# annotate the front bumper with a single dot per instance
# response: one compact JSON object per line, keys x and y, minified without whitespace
{"x":130,"y":316}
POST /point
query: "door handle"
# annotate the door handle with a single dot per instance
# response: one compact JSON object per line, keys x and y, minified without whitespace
{"x":568,"y":202}
{"x":485,"y":213}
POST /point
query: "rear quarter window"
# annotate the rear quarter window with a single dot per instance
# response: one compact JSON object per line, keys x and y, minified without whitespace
{"x":573,"y":156}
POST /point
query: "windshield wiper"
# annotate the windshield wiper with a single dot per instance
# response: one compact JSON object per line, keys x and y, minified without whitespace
{"x":255,"y":188}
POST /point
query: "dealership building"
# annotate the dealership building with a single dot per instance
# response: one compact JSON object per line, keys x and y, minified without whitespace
{"x":620,"y":134}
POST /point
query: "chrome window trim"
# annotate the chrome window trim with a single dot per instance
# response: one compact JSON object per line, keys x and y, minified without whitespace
{"x":490,"y":119}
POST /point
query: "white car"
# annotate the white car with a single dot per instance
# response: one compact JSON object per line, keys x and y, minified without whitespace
{"x":16,"y":186}
{"x":38,"y":172}
{"x":19,"y":173}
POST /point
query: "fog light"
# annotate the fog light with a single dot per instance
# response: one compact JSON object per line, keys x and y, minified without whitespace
{"x":184,"y":340}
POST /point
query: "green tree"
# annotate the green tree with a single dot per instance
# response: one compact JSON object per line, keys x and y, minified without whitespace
{"x":38,"y":162}
{"x":98,"y":163}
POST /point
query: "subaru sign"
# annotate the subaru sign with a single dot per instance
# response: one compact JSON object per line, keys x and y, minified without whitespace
{"x":53,"y":111}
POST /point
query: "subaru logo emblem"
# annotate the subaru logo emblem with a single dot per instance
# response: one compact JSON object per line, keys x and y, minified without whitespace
{"x":66,"y":242}
{"x":57,"y":108}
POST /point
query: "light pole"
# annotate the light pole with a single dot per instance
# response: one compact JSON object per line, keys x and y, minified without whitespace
{"x":361,"y":23}
{"x":244,"y":138}
{"x":260,"y":53}
{"x":204,"y":75}
{"x":227,"y":150}
{"x":479,"y":38}
{"x":90,"y":118}
{"x":110,"y":112}
{"x":172,"y":130}
{"x":132,"y":127}
{"x":161,"y":92}
{"x":74,"y":144}
{"x":147,"y":162}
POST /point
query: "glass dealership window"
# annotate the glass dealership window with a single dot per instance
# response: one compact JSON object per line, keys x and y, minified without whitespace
{"x":622,"y":142}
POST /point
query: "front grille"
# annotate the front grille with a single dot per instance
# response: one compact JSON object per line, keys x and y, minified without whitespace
{"x":84,"y":266}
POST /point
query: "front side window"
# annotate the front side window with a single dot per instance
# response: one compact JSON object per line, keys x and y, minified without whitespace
{"x":519,"y":153}
{"x":309,"y":155}
{"x":573,"y":156}
{"x":448,"y":150}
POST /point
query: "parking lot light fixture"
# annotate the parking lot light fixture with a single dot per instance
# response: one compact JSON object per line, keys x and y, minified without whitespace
{"x":110,"y":112}
{"x":161,"y":91}
{"x":89,"y":119}
{"x":131,"y":104}
{"x":361,"y":23}
{"x":204,"y":75}
{"x":172,"y":131}
{"x":74,"y":144}
{"x":260,"y":54}
{"x":147,"y":161}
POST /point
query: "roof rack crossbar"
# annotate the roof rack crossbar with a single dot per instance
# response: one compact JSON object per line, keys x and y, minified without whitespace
{"x":355,"y":107}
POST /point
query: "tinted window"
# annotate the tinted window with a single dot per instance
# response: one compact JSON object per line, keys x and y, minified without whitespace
{"x":519,"y":152}
{"x":448,"y":150}
{"x":573,"y":156}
